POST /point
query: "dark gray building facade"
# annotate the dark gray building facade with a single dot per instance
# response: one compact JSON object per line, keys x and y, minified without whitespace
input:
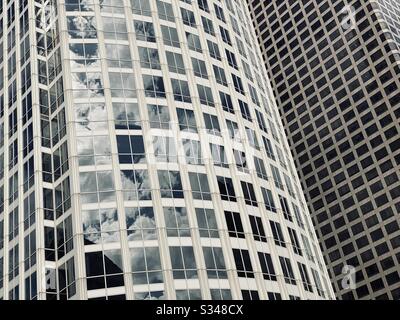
{"x":335,"y":72}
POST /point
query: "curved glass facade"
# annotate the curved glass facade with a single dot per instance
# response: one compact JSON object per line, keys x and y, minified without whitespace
{"x":159,"y":166}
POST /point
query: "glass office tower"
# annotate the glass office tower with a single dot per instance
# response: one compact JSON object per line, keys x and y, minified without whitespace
{"x":142,"y":157}
{"x":335,"y":71}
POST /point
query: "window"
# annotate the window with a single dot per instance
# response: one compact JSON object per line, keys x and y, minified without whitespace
{"x":141,"y":7}
{"x":268,"y":199}
{"x":237,"y":83}
{"x":274,"y":296}
{"x":214,"y":50}
{"x":215,"y":264}
{"x":130,"y":149}
{"x":297,"y":214}
{"x":233,"y":130}
{"x":114,"y":28}
{"x":28,"y":171}
{"x":183,"y":262}
{"x":208,"y":25}
{"x":199,"y":185}
{"x":87,"y":84}
{"x":93,"y":117}
{"x":231,"y":59}
{"x":122,"y":85}
{"x":243,"y":263}
{"x":31,"y":287}
{"x":153,"y":86}
{"x":199,"y":68}
{"x":203,"y":5}
{"x":221,"y":294}
{"x":220,"y":77}
{"x":12,"y":122}
{"x":192,"y":150}
{"x":13,"y":224}
{"x":145,"y":265}
{"x":219,"y":13}
{"x":100,"y":226}
{"x":249,"y":195}
{"x":149,"y":58}
{"x":256,"y":101}
{"x":144,"y":31}
{"x":234,"y":223}
{"x":289,"y":185}
{"x":79,"y":5}
{"x":26,"y":108}
{"x":257,"y":228}
{"x":249,"y":76}
{"x":140,"y":223}
{"x":170,"y":184}
{"x":250,"y":295}
{"x":13,"y":187}
{"x":261,"y":121}
{"x":87,"y":54}
{"x":205,"y":95}
{"x":186,"y":120}
{"x":307,"y":248}
{"x":1,"y":234}
{"x":165,"y":11}
{"x":274,"y":132}
{"x":175,"y":62}
{"x":267,"y":266}
{"x":180,"y":89}
{"x":260,"y":168}
{"x":206,"y":222}
{"x":285,"y":208}
{"x":305,"y":277}
{"x":158,"y":116}
{"x":66,"y":279}
{"x":170,"y":36}
{"x":64,"y":237}
{"x":240,"y":160}
{"x":164,"y":149}
{"x":277,"y":177}
{"x":225,"y":35}
{"x":226,"y":102}
{"x":226,"y":189}
{"x":295,"y":241}
{"x":188,"y":294}
{"x":280,"y":156}
{"x":63,"y":193}
{"x":277,"y":233}
{"x":135,"y":185}
{"x":13,"y":264}
{"x":147,"y":294}
{"x":126,"y":116}
{"x":212,"y":124}
{"x":82,"y":27}
{"x":287,"y":270}
{"x":245,"y":111}
{"x":219,"y":156}
{"x":193,"y":42}
{"x":176,"y":222}
{"x":268,"y":148}
{"x":104,"y":269}
{"x":188,"y":18}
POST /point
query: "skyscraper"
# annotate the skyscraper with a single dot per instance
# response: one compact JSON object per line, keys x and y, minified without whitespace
{"x":142,"y":157}
{"x":335,"y":71}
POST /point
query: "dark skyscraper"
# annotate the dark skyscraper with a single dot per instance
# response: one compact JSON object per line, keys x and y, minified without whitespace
{"x":335,"y":72}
